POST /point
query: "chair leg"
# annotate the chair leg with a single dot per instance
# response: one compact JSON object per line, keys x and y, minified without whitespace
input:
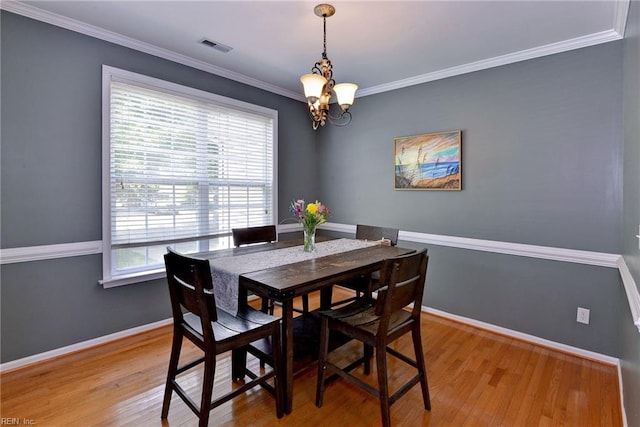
{"x":322,"y":359}
{"x":176,"y":345}
{"x":305,"y":303}
{"x":422,"y":371}
{"x":265,"y":308}
{"x":238,"y":363}
{"x":278,"y":368}
{"x":368,"y":352}
{"x":383,"y":385}
{"x":207,"y":389}
{"x":326,"y":294}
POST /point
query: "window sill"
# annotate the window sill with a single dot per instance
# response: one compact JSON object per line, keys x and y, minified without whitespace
{"x":133,"y":278}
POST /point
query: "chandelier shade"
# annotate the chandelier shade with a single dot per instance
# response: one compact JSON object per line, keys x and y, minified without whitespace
{"x":345,"y":93}
{"x":313,"y":85}
{"x":319,"y":85}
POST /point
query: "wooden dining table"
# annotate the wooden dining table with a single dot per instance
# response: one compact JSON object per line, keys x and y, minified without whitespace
{"x":286,"y":282}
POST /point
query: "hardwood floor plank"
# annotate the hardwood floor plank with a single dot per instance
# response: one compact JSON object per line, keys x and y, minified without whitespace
{"x":476,"y":378}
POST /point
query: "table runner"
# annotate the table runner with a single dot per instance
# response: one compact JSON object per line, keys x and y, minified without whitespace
{"x":225,"y":271}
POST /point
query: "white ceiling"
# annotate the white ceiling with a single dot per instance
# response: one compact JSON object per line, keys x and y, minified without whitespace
{"x":378,"y":45}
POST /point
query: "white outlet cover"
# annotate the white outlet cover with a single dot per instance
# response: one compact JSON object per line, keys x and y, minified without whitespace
{"x":583,"y":315}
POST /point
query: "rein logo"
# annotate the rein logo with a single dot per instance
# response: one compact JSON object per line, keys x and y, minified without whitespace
{"x":16,"y":421}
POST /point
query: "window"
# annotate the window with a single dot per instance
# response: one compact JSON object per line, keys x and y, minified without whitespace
{"x":181,"y":168}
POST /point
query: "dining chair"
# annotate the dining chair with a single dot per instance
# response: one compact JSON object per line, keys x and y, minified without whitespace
{"x":214,"y":331}
{"x":263,"y":234}
{"x":377,"y":323}
{"x":372,"y":232}
{"x":252,"y":235}
{"x":365,"y":284}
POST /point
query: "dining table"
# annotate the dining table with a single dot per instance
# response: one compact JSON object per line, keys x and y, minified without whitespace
{"x":294,"y":275}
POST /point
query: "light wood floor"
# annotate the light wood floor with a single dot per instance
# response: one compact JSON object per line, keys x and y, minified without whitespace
{"x":476,"y":378}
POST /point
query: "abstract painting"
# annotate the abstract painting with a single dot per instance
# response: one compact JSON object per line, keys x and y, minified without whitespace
{"x":430,"y":161}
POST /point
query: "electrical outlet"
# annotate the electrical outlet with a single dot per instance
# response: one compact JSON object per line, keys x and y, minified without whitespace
{"x":583,"y":315}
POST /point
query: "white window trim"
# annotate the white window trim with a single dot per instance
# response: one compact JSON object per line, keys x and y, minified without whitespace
{"x":108,"y":74}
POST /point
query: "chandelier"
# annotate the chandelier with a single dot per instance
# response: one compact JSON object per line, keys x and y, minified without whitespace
{"x":319,"y":84}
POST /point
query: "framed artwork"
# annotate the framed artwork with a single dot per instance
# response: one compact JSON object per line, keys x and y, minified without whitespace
{"x":430,"y":161}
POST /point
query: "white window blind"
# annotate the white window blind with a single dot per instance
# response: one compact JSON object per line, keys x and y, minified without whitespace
{"x":185,"y":167}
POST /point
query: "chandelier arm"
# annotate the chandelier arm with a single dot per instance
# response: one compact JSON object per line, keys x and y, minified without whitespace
{"x":318,"y":116}
{"x":325,"y":69}
{"x":342,"y":119}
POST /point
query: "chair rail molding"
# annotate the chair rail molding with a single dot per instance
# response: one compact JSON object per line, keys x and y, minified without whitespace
{"x":600,"y":259}
{"x":631,"y":290}
{"x":43,"y":252}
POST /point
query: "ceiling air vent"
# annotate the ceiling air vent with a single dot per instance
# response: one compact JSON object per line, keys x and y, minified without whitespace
{"x":217,"y":46}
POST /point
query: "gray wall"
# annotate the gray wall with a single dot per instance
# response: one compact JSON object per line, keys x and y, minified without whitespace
{"x":541,"y":143}
{"x":542,"y":154}
{"x":630,"y":353}
{"x":51,"y":181}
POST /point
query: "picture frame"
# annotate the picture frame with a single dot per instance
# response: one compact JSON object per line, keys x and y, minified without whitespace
{"x":428,"y":161}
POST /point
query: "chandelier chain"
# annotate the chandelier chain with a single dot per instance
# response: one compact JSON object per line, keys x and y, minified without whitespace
{"x":324,"y":43}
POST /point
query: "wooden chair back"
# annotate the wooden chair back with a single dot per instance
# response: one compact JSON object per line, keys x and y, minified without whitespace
{"x":191,"y":289}
{"x":402,"y":283}
{"x":372,"y":232}
{"x":250,"y":235}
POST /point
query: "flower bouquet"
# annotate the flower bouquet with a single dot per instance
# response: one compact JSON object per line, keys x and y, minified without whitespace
{"x":310,"y":215}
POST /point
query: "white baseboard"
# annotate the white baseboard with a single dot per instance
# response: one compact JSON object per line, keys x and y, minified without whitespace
{"x":41,"y":357}
{"x":585,"y":354}
{"x":14,"y":364}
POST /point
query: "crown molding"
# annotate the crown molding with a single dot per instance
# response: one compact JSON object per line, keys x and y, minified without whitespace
{"x":621,"y":11}
{"x":109,"y":36}
{"x":536,"y":52}
{"x":620,"y":16}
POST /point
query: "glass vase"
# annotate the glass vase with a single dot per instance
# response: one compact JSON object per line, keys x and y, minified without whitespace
{"x":309,"y":240}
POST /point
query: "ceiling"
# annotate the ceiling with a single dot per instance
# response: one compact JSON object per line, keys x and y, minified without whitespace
{"x":378,"y":45}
